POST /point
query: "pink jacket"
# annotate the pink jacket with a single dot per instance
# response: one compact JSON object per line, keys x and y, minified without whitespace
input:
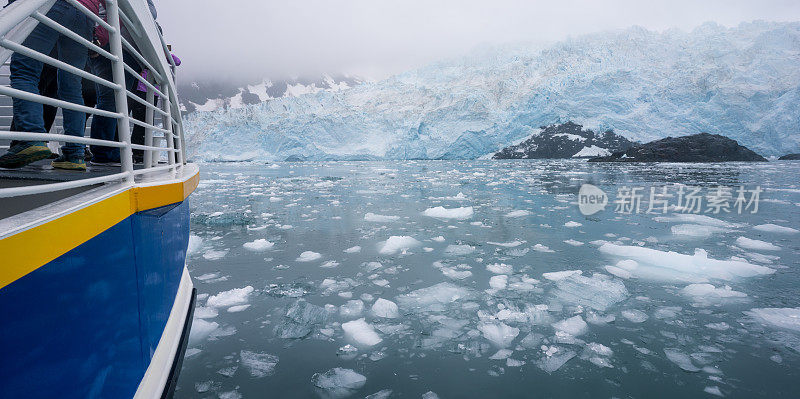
{"x":93,"y":5}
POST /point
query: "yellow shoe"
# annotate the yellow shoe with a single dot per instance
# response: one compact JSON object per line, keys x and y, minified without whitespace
{"x":24,"y":153}
{"x":74,"y":163}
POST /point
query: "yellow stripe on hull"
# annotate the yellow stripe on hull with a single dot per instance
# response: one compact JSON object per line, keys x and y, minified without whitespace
{"x":30,"y":249}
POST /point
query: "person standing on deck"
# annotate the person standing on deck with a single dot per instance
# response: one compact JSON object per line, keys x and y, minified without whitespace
{"x":25,"y":75}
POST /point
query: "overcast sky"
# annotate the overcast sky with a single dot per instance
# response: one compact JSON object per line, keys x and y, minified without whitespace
{"x":253,"y":39}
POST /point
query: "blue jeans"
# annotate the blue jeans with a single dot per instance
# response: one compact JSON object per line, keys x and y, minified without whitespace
{"x":105,"y":128}
{"x":25,"y":74}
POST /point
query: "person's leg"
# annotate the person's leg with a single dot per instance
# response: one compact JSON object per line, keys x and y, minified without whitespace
{"x":138,"y":112}
{"x":25,"y":76}
{"x":103,"y":128}
{"x":48,"y":87}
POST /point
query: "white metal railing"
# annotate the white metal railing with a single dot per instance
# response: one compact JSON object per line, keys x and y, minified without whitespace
{"x":163,"y":145}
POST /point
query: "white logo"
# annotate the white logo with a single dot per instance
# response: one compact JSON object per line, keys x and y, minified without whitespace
{"x":591,"y":199}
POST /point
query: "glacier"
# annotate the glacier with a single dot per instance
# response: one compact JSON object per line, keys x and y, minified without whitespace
{"x":741,"y":82}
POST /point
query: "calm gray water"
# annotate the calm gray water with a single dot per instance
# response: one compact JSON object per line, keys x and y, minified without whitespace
{"x":287,"y":257}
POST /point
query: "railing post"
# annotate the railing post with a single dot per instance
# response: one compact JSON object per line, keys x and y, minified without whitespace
{"x":118,"y":72}
{"x":168,"y":126}
{"x":148,"y":133}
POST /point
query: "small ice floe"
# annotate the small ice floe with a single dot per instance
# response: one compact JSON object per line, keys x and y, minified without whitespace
{"x":756,"y":245}
{"x":459,"y":250}
{"x":434,"y":298}
{"x":696,"y":219}
{"x":498,"y":282}
{"x":681,"y":359}
{"x":572,"y":223}
{"x":352,"y":309}
{"x":768,"y":228}
{"x":300,"y":320}
{"x":397,"y":244}
{"x":238,"y":308}
{"x":555,"y":276}
{"x":721,"y":326}
{"x":207,"y":276}
{"x":554,"y":357}
{"x":385,"y":308}
{"x":598,"y":292}
{"x":574,"y":243}
{"x":500,"y":334}
{"x":707,"y":294}
{"x":201,"y":329}
{"x":204,"y":312}
{"x":511,"y":244}
{"x":195,"y":243}
{"x":517,"y":213}
{"x":782,"y":318}
{"x":455,"y":272}
{"x":501,"y":354}
{"x":258,"y":245}
{"x":373,"y":217}
{"x":430,"y":395}
{"x":258,"y":364}
{"x":361,"y":332}
{"x":347,"y":352}
{"x":213,"y":254}
{"x":713,"y":390}
{"x":438,"y":239}
{"x":667,"y":312}
{"x":230,"y":394}
{"x":458,"y":197}
{"x":635,"y":316}
{"x":500,"y":268}
{"x":574,"y":326}
{"x":697,"y":230}
{"x":542,"y":248}
{"x":597,"y":354}
{"x":236,"y":296}
{"x":353,"y":250}
{"x":338,"y":383}
{"x":382,"y":394}
{"x":672,"y":266}
{"x":441,"y":212}
{"x":308,"y":256}
{"x":329,"y":264}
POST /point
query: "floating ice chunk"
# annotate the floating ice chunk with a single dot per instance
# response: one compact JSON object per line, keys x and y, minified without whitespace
{"x":195,"y":243}
{"x":499,"y":334}
{"x":574,"y":326}
{"x":207,"y":276}
{"x":291,"y":290}
{"x":372,"y":217}
{"x":713,"y":390}
{"x":514,"y":362}
{"x":430,"y":395}
{"x":385,"y":308}
{"x":681,"y":359}
{"x":498,"y":282}
{"x":769,"y":228}
{"x":353,"y":250}
{"x":329,"y":264}
{"x":258,"y":245}
{"x":619,"y":272}
{"x":667,"y":312}
{"x":783,"y":318}
{"x":696,"y":230}
{"x":573,"y":224}
{"x":696,"y":219}
{"x":397,"y":244}
{"x":672,"y":266}
{"x":382,"y":394}
{"x":455,"y":274}
{"x":542,"y":248}
{"x":501,"y":354}
{"x":721,"y":326}
{"x":459,"y":250}
{"x":517,"y":213}
{"x":236,"y":296}
{"x":574,"y":243}
{"x":352,"y":309}
{"x":500,"y":268}
{"x":361,"y":332}
{"x":441,"y":212}
{"x":757,"y":245}
{"x":347,"y":352}
{"x":709,"y":294}
{"x":308,"y":256}
{"x":555,"y":276}
{"x":338,"y":383}
{"x":213,"y":254}
{"x":511,"y":244}
{"x":598,"y":292}
{"x":201,"y":330}
{"x":438,"y":239}
{"x":259,"y":364}
{"x":554,"y":359}
{"x":238,"y":308}
{"x":203,"y":312}
{"x":635,"y":316}
{"x":230,"y":394}
{"x":434,"y":298}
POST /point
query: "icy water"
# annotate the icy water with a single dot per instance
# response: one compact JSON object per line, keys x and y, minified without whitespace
{"x":345,"y":279}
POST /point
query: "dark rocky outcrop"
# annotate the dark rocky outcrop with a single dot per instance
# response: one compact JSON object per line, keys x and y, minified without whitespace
{"x":701,"y":147}
{"x":566,"y":140}
{"x":790,"y":157}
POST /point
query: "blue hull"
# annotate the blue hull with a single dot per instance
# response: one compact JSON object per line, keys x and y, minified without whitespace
{"x":86,"y":325}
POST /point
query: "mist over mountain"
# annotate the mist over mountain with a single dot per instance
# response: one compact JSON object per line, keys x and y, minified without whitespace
{"x":740,"y":82}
